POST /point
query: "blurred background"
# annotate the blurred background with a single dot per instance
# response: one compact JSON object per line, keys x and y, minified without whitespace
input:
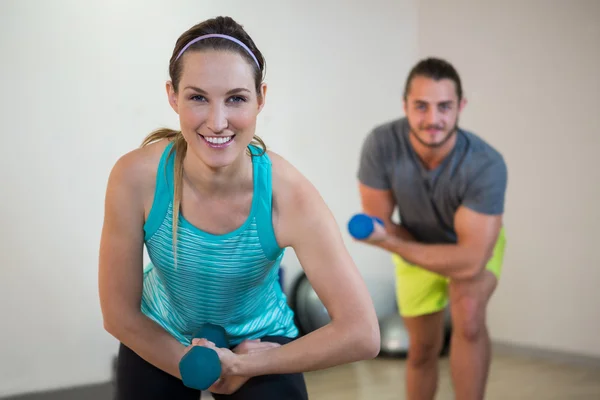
{"x":83,"y":83}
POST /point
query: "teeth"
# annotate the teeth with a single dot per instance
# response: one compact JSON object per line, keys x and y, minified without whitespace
{"x":217,"y":140}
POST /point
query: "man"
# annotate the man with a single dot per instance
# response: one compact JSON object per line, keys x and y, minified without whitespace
{"x":449,"y":187}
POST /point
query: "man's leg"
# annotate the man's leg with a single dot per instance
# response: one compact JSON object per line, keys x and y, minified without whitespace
{"x":470,"y":349}
{"x":425,"y":344}
{"x":422,"y":297}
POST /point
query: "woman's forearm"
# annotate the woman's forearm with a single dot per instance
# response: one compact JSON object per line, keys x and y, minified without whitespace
{"x":150,"y":341}
{"x":331,"y":345}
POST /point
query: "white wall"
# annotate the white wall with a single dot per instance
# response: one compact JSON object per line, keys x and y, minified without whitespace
{"x":83,"y":83}
{"x":530,"y":71}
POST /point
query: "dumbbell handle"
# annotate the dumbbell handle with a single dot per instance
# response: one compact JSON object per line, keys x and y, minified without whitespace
{"x":200,"y":367}
{"x":361,"y":225}
{"x":212,"y":333}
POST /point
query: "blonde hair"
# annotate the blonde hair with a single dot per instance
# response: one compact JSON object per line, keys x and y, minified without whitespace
{"x":180,"y":149}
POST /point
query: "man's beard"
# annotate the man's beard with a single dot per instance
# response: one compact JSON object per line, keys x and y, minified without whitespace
{"x":441,"y":142}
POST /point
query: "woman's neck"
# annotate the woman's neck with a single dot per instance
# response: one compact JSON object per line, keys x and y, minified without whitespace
{"x":208,"y":181}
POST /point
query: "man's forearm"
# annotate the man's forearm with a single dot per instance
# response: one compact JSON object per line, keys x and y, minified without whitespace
{"x":400,"y":231}
{"x":450,"y":260}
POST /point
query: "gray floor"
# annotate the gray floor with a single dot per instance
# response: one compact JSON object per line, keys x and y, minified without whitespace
{"x":91,"y":392}
{"x":514,"y":375}
{"x":95,"y":392}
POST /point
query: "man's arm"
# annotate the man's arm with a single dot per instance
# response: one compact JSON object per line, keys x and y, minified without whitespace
{"x":374,"y":182}
{"x":477,"y":224}
{"x":381,"y":203}
{"x":477,"y":234}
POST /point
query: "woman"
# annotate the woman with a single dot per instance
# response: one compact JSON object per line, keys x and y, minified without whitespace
{"x":215,"y":211}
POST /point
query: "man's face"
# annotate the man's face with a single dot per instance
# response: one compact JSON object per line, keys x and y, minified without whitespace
{"x":432,"y":108}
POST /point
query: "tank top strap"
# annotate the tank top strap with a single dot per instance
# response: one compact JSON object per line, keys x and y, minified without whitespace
{"x":264,"y":206}
{"x":163,"y":192}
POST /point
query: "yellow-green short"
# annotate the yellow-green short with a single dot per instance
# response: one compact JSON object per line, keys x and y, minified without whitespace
{"x":421,"y":292}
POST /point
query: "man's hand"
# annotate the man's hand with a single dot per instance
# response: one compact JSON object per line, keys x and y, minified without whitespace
{"x":378,"y":235}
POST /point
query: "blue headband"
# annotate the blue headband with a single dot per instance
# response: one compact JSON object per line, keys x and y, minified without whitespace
{"x":219,"y":36}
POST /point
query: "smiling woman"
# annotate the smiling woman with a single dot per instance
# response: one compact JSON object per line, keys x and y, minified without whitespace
{"x":216,"y":211}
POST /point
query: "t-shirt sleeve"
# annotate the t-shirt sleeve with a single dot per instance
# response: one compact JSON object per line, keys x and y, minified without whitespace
{"x":486,"y":191}
{"x":372,"y":170}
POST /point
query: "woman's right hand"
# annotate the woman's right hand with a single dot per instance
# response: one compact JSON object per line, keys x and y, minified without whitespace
{"x":231,"y":384}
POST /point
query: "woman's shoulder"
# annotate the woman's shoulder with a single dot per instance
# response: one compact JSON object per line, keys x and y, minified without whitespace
{"x":137,"y":168}
{"x":299,"y":208}
{"x":291,"y":189}
{"x":283,"y":173}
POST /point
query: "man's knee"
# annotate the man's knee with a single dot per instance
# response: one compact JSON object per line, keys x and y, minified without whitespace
{"x":468,"y":303}
{"x":468,"y":318}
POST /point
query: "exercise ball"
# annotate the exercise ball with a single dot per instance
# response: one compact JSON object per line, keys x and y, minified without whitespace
{"x":394,"y":336}
{"x":310,"y":313}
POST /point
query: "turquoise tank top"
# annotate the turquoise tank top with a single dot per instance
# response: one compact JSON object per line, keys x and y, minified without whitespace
{"x":230,"y":280}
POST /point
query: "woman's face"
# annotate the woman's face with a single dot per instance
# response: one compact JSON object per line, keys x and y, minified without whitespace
{"x":217,"y":105}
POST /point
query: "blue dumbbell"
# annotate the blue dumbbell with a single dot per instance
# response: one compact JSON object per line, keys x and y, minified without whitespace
{"x":361,"y":226}
{"x":200,"y":367}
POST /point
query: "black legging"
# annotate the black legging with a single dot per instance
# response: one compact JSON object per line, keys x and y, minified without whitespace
{"x":138,"y":379}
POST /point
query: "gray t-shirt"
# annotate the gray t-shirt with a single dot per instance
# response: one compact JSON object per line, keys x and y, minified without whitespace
{"x":474,"y":175}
